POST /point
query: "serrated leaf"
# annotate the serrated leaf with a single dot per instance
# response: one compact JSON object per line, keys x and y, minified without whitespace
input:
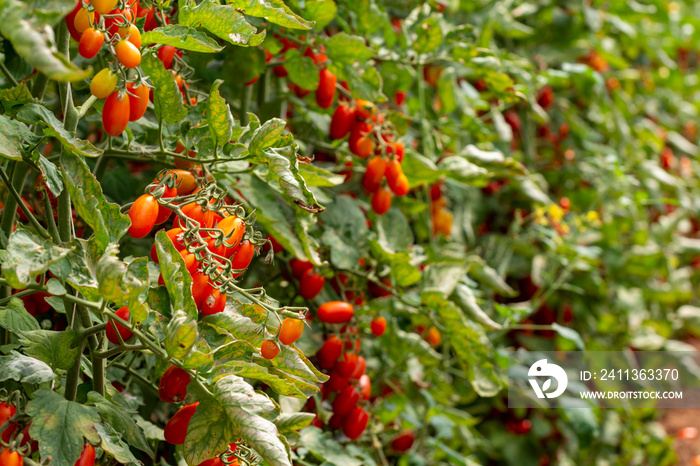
{"x":52,"y":347}
{"x":442,"y":277}
{"x":24,"y":369}
{"x":235,"y":410}
{"x":121,"y":421}
{"x":345,"y":48}
{"x":221,"y":20}
{"x":113,"y":445}
{"x":31,"y":38}
{"x":15,"y":318}
{"x":60,"y":425}
{"x":105,"y":218}
{"x":27,"y":256}
{"x":177,"y":280}
{"x":274,"y":11}
{"x":301,"y":69}
{"x":219,"y":115}
{"x":32,"y":114}
{"x":167,"y":97}
{"x":12,"y":134}
{"x":182,"y":37}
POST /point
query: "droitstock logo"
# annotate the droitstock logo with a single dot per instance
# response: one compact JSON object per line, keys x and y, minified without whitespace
{"x":542,"y":368}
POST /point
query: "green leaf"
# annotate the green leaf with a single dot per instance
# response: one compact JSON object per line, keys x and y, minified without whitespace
{"x":15,"y":318}
{"x":464,"y":297}
{"x":317,"y":176}
{"x":31,"y":114}
{"x":321,"y":12}
{"x":12,"y":134}
{"x":291,"y":422}
{"x":27,"y":256}
{"x":275,"y":11}
{"x":219,"y":115}
{"x":473,"y":349}
{"x":121,"y":421}
{"x":570,"y":334}
{"x":302,"y":70}
{"x":81,"y":267}
{"x":394,"y":232}
{"x":52,"y":347}
{"x":345,"y":48}
{"x":123,"y":283}
{"x":60,"y":425}
{"x":325,"y":448}
{"x":167,"y":97}
{"x":234,"y":410}
{"x":182,"y":37}
{"x":489,"y":277}
{"x":347,"y":232}
{"x":51,"y":175}
{"x":180,"y":335}
{"x":428,"y":35}
{"x":30,"y":39}
{"x":19,"y":94}
{"x":105,"y":218}
{"x":112,"y":444}
{"x":221,"y":20}
{"x":442,"y":277}
{"x":24,"y":369}
{"x":177,"y":280}
{"x":462,"y":170}
{"x":201,"y":358}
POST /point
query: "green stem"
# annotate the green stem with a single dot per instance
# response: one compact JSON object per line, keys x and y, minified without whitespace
{"x":39,"y":86}
{"x":18,"y":199}
{"x":8,"y":75}
{"x":246,"y":96}
{"x":102,"y":355}
{"x":50,"y":221}
{"x":136,"y":375}
{"x":73,"y":376}
{"x":8,"y":215}
{"x":98,"y":372}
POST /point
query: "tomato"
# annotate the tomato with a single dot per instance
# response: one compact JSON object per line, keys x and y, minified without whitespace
{"x":127,"y":54}
{"x":346,"y":400}
{"x":196,"y":212}
{"x":242,"y":257}
{"x":433,"y":336}
{"x":346,"y":365}
{"x":436,"y":191}
{"x":374,"y":174}
{"x":341,"y":121}
{"x":70,"y":21}
{"x":335,"y":312}
{"x":185,"y":181}
{"x":6,"y":412}
{"x":173,"y":385}
{"x":118,"y":19}
{"x":143,"y":214}
{"x":326,"y":88}
{"x":403,"y":442}
{"x":115,"y":114}
{"x":131,"y":33}
{"x":90,"y":43}
{"x":280,"y":71}
{"x":687,"y":433}
{"x":166,"y":54}
{"x":329,"y":352}
{"x":360,"y":368}
{"x":365,"y":386}
{"x":141,"y":11}
{"x":290,"y":330}
{"x":164,"y":212}
{"x":299,"y":267}
{"x":399,"y":185}
{"x":176,"y":428}
{"x":103,"y":84}
{"x":364,"y":109}
{"x":201,"y":287}
{"x":87,"y":456}
{"x":269,"y":349}
{"x":233,"y":229}
{"x":138,"y":103}
{"x":399,"y":98}
{"x":378,"y":326}
{"x":104,"y":6}
{"x":360,"y":141}
{"x":442,"y":222}
{"x":214,"y":303}
{"x":190,"y":259}
{"x":355,"y":423}
{"x":177,"y":237}
{"x":311,"y":284}
{"x":336,"y":421}
{"x":545,"y":97}
{"x":84,"y":19}
{"x":10,"y":458}
{"x":565,"y":203}
{"x":27,"y":439}
{"x":122,"y":313}
{"x":336,"y":382}
{"x":381,"y":201}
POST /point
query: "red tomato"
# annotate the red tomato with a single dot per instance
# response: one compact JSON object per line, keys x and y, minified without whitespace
{"x":335,"y":312}
{"x":173,"y":385}
{"x":364,"y":109}
{"x":299,"y":267}
{"x":311,"y":284}
{"x":201,"y":287}
{"x":365,"y":386}
{"x":233,"y":228}
{"x":111,"y":332}
{"x":545,"y":97}
{"x":378,"y":326}
{"x":269,"y":349}
{"x":10,"y":458}
{"x":197,"y":213}
{"x":87,"y":456}
{"x":70,"y":21}
{"x":336,"y":382}
{"x":214,"y":303}
{"x":176,"y":428}
{"x":138,"y":103}
{"x":403,"y":442}
{"x":372,"y":179}
{"x":117,"y":19}
{"x":90,"y":43}
{"x":355,"y":423}
{"x":143,"y":214}
{"x":326,"y":88}
{"x":166,"y":54}
{"x":6,"y":412}
{"x":346,"y":400}
{"x":127,"y":54}
{"x":399,"y":98}
{"x":360,"y":368}
{"x":329,"y":352}
{"x":360,"y":141}
{"x":346,"y":365}
{"x":115,"y":114}
{"x":399,"y":186}
{"x":242,"y":257}
{"x":185,"y":182}
{"x":381,"y":201}
{"x":341,"y":122}
{"x":399,"y":150}
{"x":336,"y":421}
{"x":291,"y":330}
{"x":177,"y":236}
{"x":190,"y":259}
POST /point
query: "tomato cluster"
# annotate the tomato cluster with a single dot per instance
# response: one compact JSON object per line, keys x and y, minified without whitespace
{"x":441,"y":217}
{"x":310,"y":282}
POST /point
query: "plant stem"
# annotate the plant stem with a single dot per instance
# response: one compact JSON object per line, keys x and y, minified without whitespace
{"x":39,"y":86}
{"x":8,"y":75}
{"x":136,"y":375}
{"x":8,"y":215}
{"x":246,"y":96}
{"x":48,"y":213}
{"x":35,"y":223}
